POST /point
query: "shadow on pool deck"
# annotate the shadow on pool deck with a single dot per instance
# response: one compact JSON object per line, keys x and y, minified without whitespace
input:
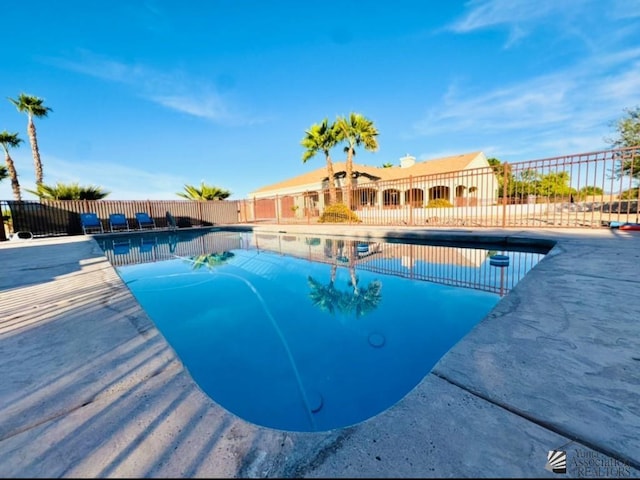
{"x":90,"y":388}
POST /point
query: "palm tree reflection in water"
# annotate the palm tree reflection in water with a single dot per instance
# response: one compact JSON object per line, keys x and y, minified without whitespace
{"x":210,"y":260}
{"x":358,"y":300}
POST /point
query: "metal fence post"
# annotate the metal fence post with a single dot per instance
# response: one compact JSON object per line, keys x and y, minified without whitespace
{"x":410,"y":199}
{"x":3,"y":236}
{"x":505,"y":183}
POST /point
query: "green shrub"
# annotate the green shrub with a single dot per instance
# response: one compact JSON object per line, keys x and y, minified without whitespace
{"x":439,"y":203}
{"x":630,"y":194}
{"x":338,"y":213}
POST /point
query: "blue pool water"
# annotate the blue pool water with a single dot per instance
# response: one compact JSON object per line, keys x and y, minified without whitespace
{"x":273,"y":328}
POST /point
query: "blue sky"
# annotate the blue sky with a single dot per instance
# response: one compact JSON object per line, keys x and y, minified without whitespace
{"x":148,"y":96}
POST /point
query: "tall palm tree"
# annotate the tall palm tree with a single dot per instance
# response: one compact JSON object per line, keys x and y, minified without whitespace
{"x":321,"y":137}
{"x":356,"y":131}
{"x":71,"y":191}
{"x":11,"y":140}
{"x":204,"y":193}
{"x":33,"y":107}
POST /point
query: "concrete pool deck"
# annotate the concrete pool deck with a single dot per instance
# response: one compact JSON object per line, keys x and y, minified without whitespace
{"x":91,"y":389}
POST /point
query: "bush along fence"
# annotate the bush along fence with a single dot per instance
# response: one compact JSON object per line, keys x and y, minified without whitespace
{"x":589,"y":190}
{"x":62,"y":217}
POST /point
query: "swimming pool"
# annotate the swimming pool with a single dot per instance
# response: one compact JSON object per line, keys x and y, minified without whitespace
{"x":309,"y":333}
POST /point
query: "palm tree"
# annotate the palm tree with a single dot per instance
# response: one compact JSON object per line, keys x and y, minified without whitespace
{"x":362,"y":300}
{"x":204,"y":193}
{"x":33,"y":107}
{"x":356,"y":131}
{"x":211,"y":260}
{"x":71,"y":191}
{"x":11,"y":140}
{"x":359,"y":301}
{"x":321,"y":137}
{"x":325,"y":297}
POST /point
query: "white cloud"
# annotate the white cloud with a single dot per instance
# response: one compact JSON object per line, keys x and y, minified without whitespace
{"x":621,"y":9}
{"x":564,"y":111}
{"x":175,"y":90}
{"x":490,"y":13}
{"x":521,"y":17}
{"x":123,"y":182}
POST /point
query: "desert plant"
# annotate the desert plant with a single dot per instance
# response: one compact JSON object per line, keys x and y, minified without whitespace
{"x":338,"y":213}
{"x":630,"y":194}
{"x":321,"y":137}
{"x":204,"y":193}
{"x":355,"y":130}
{"x":71,"y":191}
{"x":439,"y":203}
{"x":11,"y":140}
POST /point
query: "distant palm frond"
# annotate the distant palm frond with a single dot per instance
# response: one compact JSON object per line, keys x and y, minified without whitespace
{"x":204,"y":193}
{"x":69,"y":191}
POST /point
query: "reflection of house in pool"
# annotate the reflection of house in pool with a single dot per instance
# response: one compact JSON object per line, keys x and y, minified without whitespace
{"x":362,"y":252}
{"x":410,"y":254}
{"x":412,"y":183}
{"x":465,"y":267}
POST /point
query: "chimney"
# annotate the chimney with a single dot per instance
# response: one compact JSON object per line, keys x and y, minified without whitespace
{"x":407,"y":161}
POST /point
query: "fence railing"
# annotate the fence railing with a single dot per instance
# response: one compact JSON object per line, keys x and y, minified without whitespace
{"x":582,"y":190}
{"x":586,"y":190}
{"x":449,"y":265}
{"x":62,"y":217}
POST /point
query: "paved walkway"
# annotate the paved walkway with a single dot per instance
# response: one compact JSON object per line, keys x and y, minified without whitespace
{"x":90,"y":388}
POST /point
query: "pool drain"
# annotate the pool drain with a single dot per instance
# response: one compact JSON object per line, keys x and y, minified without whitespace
{"x":376,"y":340}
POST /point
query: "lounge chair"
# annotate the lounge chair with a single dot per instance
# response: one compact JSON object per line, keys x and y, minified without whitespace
{"x":118,"y":222}
{"x":121,"y":247}
{"x":90,"y":222}
{"x":171,"y":221}
{"x":147,"y":244}
{"x":145,"y":221}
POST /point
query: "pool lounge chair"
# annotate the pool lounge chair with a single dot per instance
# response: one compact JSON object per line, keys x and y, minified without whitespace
{"x":171,"y":221}
{"x":121,"y":247}
{"x":145,"y":221}
{"x":148,"y":244}
{"x":91,"y":223}
{"x":118,"y":222}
